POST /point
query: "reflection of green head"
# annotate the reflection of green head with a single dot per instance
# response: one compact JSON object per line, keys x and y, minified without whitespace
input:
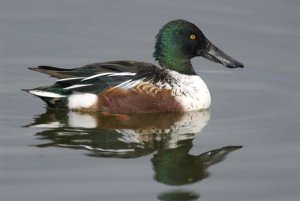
{"x":175,"y":47}
{"x":178,"y":167}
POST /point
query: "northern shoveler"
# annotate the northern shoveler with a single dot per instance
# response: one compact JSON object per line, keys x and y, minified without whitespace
{"x":139,"y":87}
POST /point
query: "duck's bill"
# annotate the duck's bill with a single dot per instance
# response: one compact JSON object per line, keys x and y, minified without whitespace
{"x":212,"y":53}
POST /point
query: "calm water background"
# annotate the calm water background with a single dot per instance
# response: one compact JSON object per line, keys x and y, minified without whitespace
{"x":257,"y":107}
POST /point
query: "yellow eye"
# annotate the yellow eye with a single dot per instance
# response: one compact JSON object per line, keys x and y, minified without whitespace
{"x":193,"y":36}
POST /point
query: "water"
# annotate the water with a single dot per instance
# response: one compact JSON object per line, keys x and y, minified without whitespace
{"x":51,"y":155}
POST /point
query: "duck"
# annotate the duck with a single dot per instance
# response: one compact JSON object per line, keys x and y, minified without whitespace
{"x":124,"y":87}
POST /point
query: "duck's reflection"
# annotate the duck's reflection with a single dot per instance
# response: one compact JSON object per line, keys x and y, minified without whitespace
{"x":169,"y":135}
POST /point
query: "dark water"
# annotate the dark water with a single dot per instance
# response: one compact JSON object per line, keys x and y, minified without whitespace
{"x":246,"y":147}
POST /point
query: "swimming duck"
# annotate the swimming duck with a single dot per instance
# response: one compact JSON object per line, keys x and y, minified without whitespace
{"x":139,"y":87}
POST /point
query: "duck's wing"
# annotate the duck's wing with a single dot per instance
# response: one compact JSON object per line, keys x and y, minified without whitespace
{"x":96,"y":83}
{"x":155,"y":78}
{"x":96,"y":68}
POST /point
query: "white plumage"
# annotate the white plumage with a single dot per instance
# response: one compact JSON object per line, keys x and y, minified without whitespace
{"x":82,"y":100}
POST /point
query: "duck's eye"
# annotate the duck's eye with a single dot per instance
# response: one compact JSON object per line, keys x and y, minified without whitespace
{"x":193,"y":37}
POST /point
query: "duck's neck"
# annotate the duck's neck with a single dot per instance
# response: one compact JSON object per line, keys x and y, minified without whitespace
{"x":183,"y":66}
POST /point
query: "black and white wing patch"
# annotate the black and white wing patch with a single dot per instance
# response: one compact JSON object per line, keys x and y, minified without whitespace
{"x":95,"y":83}
{"x":158,"y":77}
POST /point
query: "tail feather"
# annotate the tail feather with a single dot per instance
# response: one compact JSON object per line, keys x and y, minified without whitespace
{"x":52,"y":71}
{"x":52,"y":99}
{"x":46,"y":94}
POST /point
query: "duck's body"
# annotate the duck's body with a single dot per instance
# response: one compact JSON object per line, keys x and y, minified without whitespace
{"x":139,"y":87}
{"x":150,"y":90}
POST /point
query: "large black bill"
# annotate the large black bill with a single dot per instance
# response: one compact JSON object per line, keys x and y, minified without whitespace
{"x":212,"y":53}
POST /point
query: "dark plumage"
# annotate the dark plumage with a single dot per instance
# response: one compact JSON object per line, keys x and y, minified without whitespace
{"x":95,"y":68}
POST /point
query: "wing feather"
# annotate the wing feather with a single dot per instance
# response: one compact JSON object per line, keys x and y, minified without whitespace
{"x":95,"y":68}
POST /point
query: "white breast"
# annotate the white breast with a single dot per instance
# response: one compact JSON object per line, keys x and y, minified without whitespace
{"x":191,"y":92}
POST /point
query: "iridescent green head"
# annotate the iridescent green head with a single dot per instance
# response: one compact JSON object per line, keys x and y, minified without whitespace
{"x":178,"y":41}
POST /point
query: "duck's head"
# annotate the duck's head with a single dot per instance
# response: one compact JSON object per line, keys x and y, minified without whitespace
{"x":178,"y":41}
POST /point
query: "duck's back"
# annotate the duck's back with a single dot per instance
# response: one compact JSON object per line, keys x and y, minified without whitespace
{"x":95,"y":68}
